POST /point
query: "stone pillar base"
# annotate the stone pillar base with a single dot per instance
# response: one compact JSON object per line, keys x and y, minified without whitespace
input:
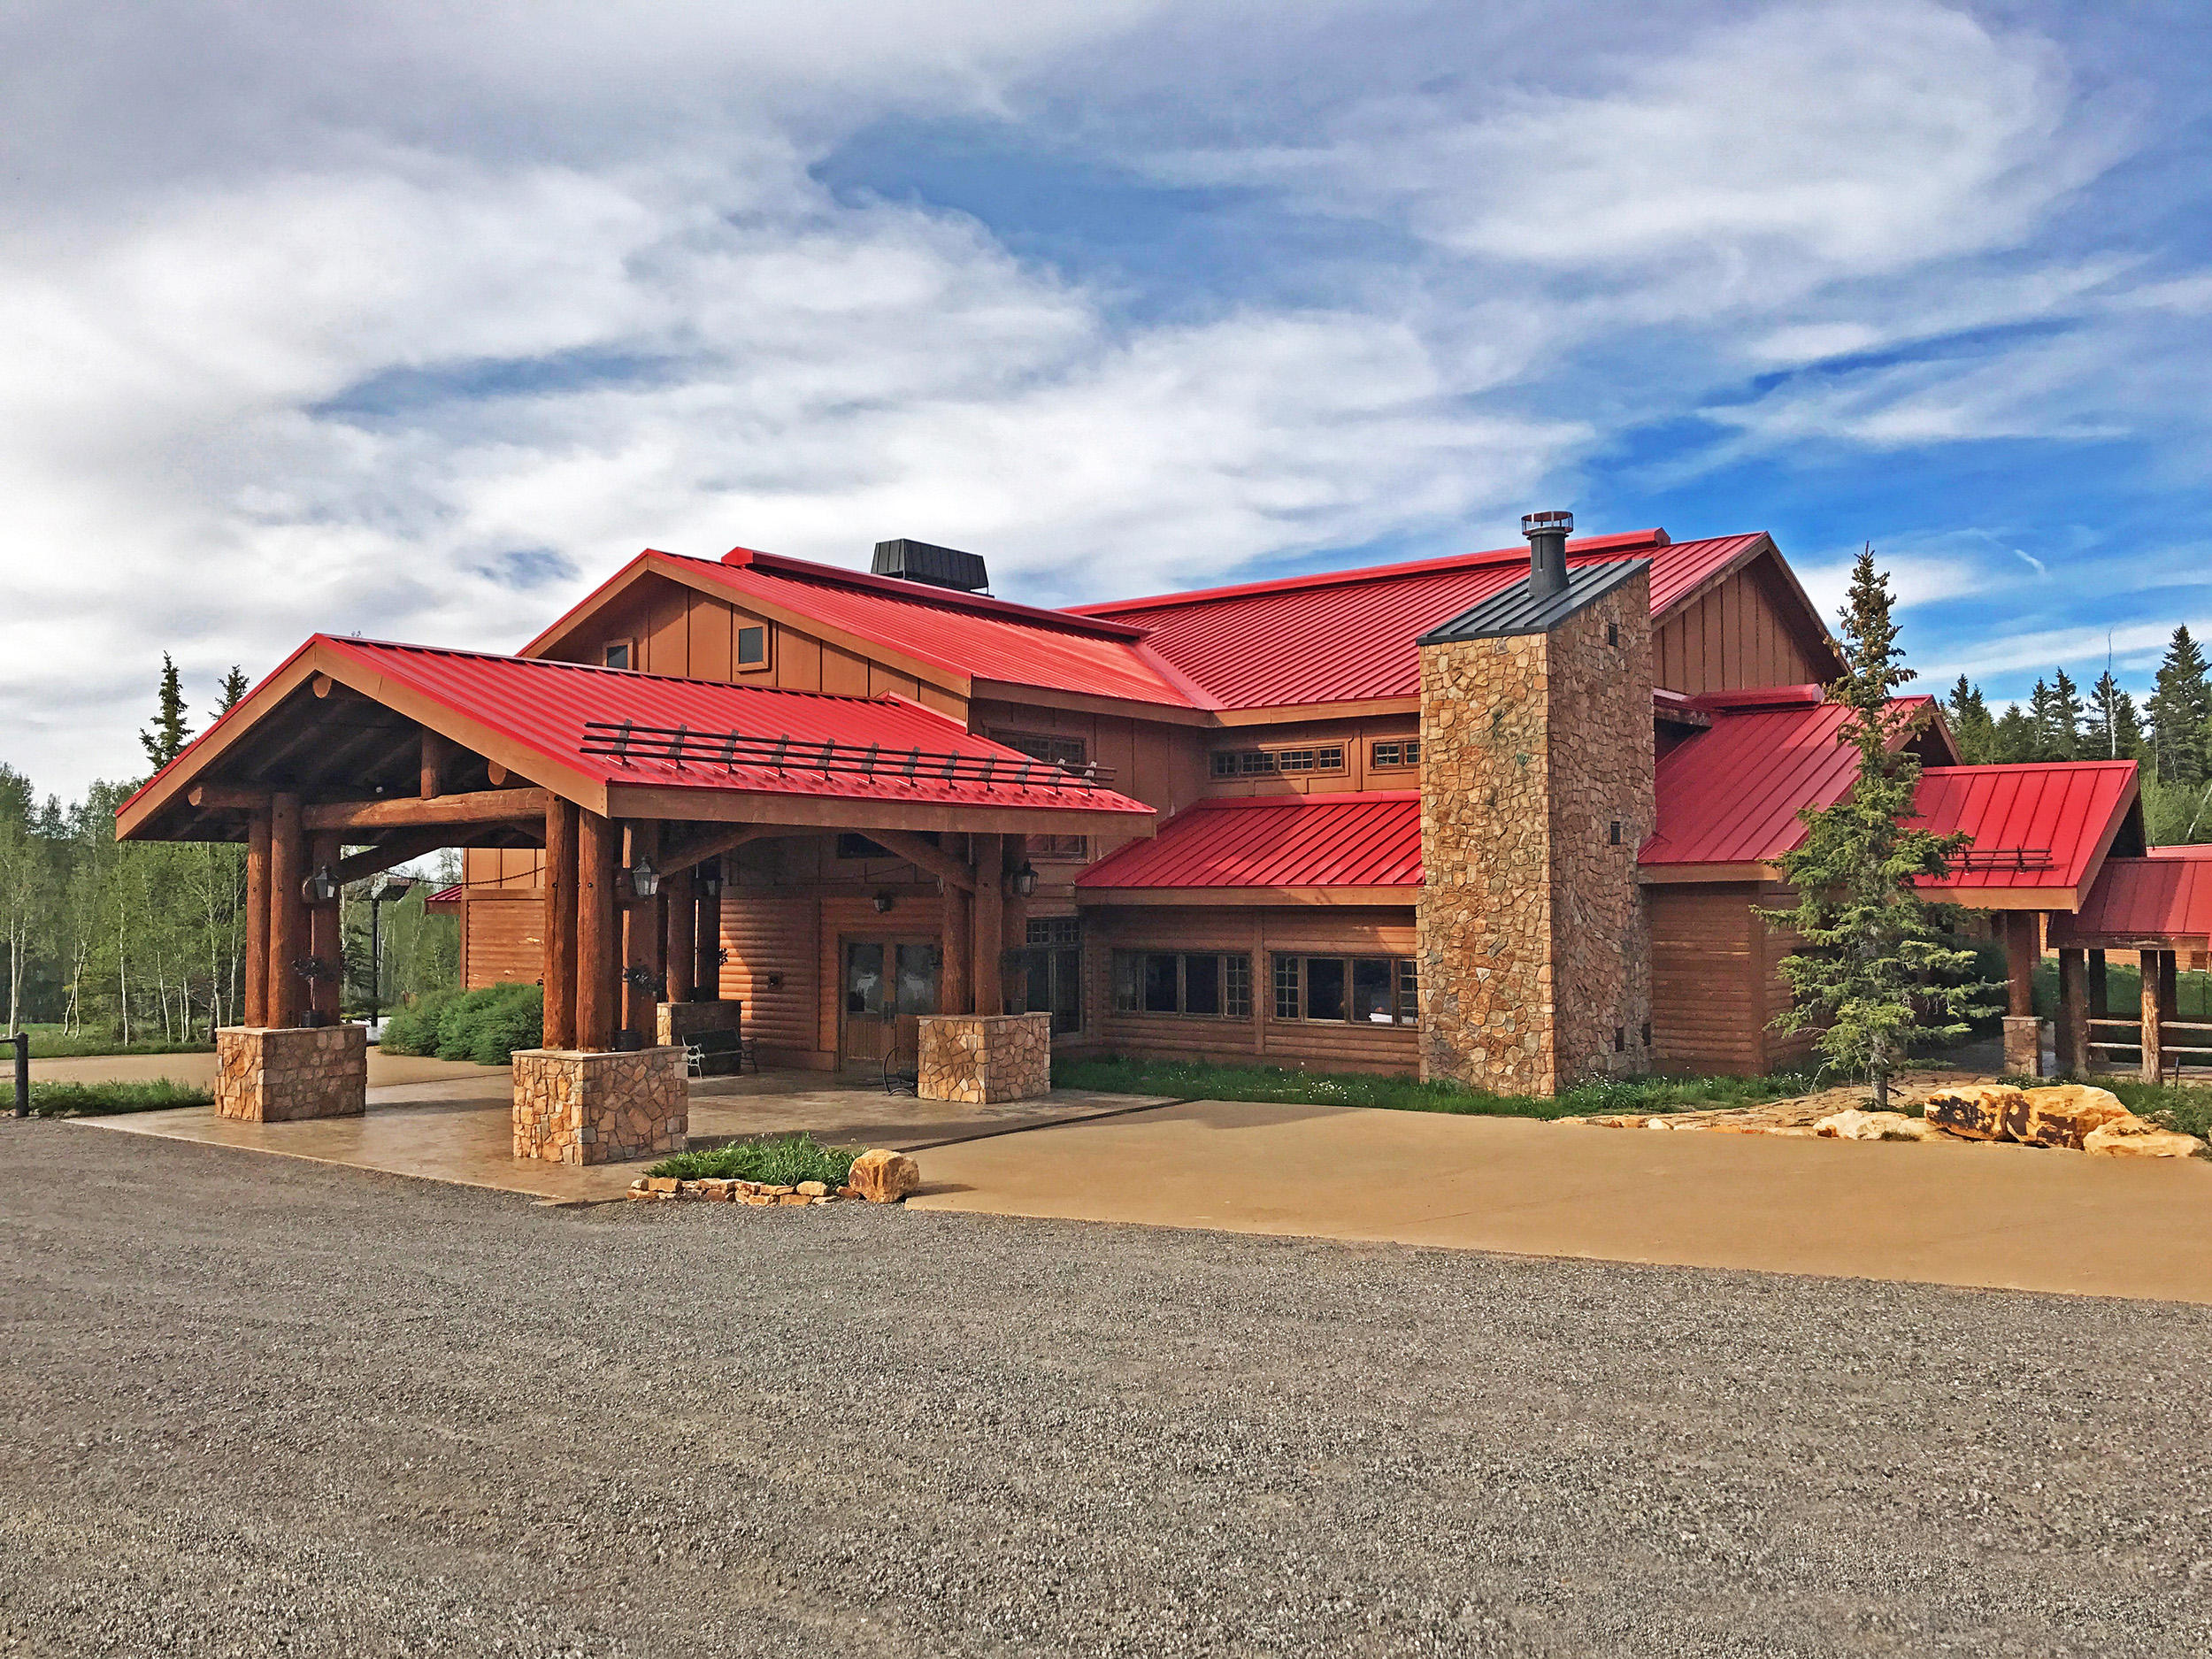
{"x":577,"y":1108}
{"x":981,"y":1059}
{"x":273,"y":1074}
{"x":676,"y":1023}
{"x":2023,"y":1046}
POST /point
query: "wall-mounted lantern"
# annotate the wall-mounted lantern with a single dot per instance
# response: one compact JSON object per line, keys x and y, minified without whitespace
{"x":884,"y":902}
{"x":1023,"y":882}
{"x":711,"y":882}
{"x":645,"y":880}
{"x":321,"y":887}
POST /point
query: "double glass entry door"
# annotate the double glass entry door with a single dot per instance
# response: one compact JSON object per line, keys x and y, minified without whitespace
{"x":887,"y":984}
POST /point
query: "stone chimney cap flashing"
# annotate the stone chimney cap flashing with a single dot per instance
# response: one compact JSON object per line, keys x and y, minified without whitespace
{"x":1518,"y":611}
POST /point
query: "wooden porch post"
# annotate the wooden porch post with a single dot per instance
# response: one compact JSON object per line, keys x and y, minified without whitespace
{"x":325,"y":940}
{"x":707,"y":939}
{"x":987,"y":931}
{"x":955,"y":989}
{"x":2169,"y":984}
{"x":256,"y":1011}
{"x":599,"y":931}
{"x":288,"y":918}
{"x":2073,"y":1012}
{"x":560,"y":923}
{"x":2099,"y":992}
{"x":1014,"y":925}
{"x":683,"y":935}
{"x":641,"y":934}
{"x":2153,"y":1041}
{"x":2023,"y":948}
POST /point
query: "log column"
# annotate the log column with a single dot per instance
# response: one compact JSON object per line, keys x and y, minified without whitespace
{"x":1014,"y":921}
{"x":988,"y":929}
{"x":2073,"y":1015}
{"x":2153,"y":1011}
{"x":707,"y":936}
{"x":256,"y":1011}
{"x":286,"y":999}
{"x":641,"y":934}
{"x":560,"y":924}
{"x":2099,"y":990}
{"x":955,"y":986}
{"x":2024,"y":1032}
{"x":598,"y":931}
{"x":683,"y":935}
{"x":325,"y":936}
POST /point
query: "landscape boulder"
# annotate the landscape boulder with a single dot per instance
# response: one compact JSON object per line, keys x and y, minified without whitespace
{"x":1976,"y":1111}
{"x":2063,"y":1115}
{"x":1854,"y":1125}
{"x":2130,"y":1136}
{"x":883,"y":1177}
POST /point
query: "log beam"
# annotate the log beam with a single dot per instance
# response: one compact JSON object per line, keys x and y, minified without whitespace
{"x":375,"y":861}
{"x":954,"y":872}
{"x":699,"y":849}
{"x":488,"y":806}
{"x":435,"y":750}
{"x":227,"y":797}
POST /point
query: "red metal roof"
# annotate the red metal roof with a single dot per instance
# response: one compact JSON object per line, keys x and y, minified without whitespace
{"x":544,"y":706}
{"x":2039,"y":826}
{"x":2166,"y":897}
{"x":1346,"y":636}
{"x":1353,"y":839}
{"x":963,"y":634}
{"x":1732,"y":795}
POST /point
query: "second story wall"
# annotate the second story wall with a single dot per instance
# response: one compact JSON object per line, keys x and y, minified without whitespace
{"x":1745,"y":632}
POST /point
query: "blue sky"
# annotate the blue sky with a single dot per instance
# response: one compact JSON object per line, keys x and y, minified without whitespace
{"x":415,"y":322}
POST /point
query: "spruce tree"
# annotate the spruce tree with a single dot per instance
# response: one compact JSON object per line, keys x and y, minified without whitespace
{"x":1971,"y":726}
{"x":2014,"y":737}
{"x":235,"y":684}
{"x":166,"y":737}
{"x":2064,"y":741}
{"x":2111,"y":731}
{"x":1875,"y":969}
{"x":2040,"y":723}
{"x":2179,"y":710}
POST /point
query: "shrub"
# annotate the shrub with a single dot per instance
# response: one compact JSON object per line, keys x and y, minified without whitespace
{"x":81,"y":1099}
{"x":780,"y":1161}
{"x":487,"y":1025}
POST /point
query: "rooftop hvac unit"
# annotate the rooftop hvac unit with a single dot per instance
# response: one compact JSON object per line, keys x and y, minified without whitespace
{"x":939,"y":566}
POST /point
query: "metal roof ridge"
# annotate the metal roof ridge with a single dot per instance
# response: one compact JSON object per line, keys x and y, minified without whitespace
{"x":1333,"y":797}
{"x":919,"y":593}
{"x":1992,"y":767}
{"x":1595,"y":549}
{"x":552,"y":662}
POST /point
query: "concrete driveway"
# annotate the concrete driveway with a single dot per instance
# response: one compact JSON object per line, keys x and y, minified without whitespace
{"x":1955,"y":1213}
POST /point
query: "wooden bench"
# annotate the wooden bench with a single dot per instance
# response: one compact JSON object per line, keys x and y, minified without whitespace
{"x":719,"y":1054}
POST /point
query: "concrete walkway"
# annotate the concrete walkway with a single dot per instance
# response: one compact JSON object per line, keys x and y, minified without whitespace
{"x":386,"y":1071}
{"x":1954,"y":1213}
{"x":457,"y":1125}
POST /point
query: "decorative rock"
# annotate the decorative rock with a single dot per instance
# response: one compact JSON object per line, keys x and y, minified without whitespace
{"x":793,"y":1198}
{"x":2063,"y":1115}
{"x":1975,"y":1111}
{"x":284,"y":1074}
{"x":1864,"y":1125}
{"x":2131,"y":1137}
{"x":662,"y":1184}
{"x":571,"y":1107}
{"x":883,"y":1177}
{"x":813,"y":1189}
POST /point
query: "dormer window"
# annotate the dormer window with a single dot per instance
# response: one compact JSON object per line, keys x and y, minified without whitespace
{"x":752,"y":646}
{"x":619,"y":653}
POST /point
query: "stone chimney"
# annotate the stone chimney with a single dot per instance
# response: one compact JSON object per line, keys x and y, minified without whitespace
{"x":1536,"y":791}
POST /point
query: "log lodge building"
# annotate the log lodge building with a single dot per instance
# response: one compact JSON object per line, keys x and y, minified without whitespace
{"x":1508,"y":818}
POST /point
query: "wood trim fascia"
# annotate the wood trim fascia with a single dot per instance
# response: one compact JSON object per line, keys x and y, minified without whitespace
{"x":840,"y":812}
{"x":1314,"y":897}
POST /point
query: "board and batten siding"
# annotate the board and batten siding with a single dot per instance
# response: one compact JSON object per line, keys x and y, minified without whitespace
{"x":1259,"y":932}
{"x":503,"y":936}
{"x":1740,"y":634}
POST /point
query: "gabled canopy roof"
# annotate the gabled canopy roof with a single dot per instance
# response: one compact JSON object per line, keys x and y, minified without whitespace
{"x":1338,"y":637}
{"x":1728,"y":800}
{"x":2161,"y":902}
{"x":691,"y":749}
{"x":1361,"y":846}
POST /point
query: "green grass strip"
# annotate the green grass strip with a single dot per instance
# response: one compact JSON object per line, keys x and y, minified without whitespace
{"x":92,"y":1100}
{"x":777,"y":1161}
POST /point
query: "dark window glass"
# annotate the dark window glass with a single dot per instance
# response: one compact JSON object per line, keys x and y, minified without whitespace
{"x":1159,"y":984}
{"x":1236,"y":987}
{"x":1374,"y":997}
{"x":863,"y":979}
{"x":1127,"y":973}
{"x":1201,"y":984}
{"x":752,"y":647}
{"x":1325,"y":987}
{"x":1408,"y":993}
{"x":618,"y":656}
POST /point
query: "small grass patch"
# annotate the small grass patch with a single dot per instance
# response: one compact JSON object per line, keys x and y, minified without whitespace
{"x":1188,"y":1079}
{"x":93,"y":1100}
{"x":58,"y":1043}
{"x":776,"y":1161}
{"x":2186,"y":1107}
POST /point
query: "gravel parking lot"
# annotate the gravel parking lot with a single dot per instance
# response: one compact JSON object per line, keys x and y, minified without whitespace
{"x":258,"y":1406}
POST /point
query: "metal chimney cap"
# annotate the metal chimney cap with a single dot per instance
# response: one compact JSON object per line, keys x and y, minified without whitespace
{"x":1536,"y":523}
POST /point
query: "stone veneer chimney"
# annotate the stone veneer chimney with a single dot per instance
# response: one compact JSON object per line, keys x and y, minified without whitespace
{"x":1536,"y":790}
